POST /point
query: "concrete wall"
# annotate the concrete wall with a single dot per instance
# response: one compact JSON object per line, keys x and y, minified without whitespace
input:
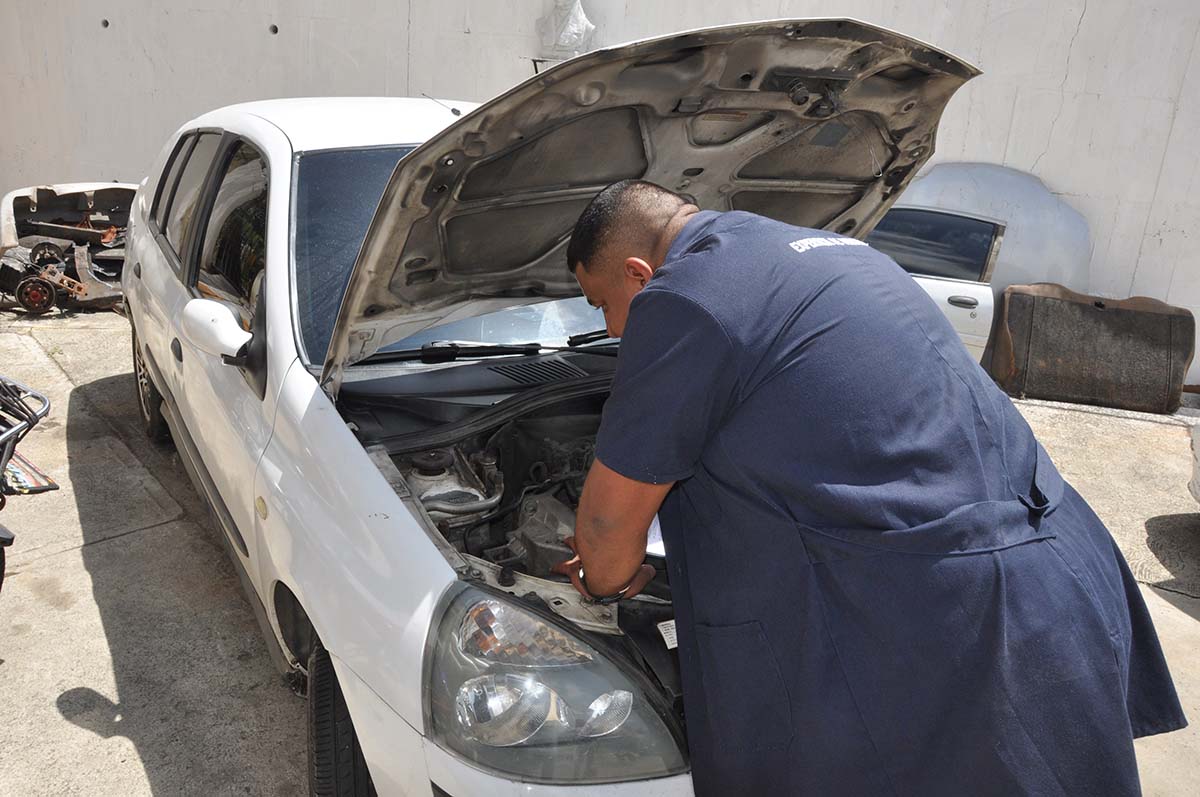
{"x":1099,"y":99}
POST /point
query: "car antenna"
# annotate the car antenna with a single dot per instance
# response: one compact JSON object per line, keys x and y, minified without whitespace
{"x":454,"y":111}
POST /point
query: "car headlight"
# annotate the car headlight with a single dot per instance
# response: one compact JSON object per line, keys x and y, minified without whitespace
{"x":512,"y":692}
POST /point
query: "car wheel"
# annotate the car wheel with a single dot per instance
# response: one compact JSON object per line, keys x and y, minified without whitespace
{"x":149,"y":399}
{"x":335,"y":761}
{"x":46,"y":253}
{"x":36,"y":295}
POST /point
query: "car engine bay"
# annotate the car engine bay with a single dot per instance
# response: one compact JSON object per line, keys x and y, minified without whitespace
{"x":500,"y":502}
{"x":508,"y":497}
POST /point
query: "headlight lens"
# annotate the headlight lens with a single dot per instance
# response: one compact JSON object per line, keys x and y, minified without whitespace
{"x":514,"y":693}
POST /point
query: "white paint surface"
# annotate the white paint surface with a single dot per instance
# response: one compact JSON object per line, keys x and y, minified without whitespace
{"x":1098,"y":98}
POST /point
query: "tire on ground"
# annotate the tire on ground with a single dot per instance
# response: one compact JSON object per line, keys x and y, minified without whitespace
{"x":335,"y":761}
{"x":148,"y":398}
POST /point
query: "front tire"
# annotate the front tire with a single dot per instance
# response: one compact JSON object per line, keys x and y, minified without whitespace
{"x":336,"y":767}
{"x":149,"y":399}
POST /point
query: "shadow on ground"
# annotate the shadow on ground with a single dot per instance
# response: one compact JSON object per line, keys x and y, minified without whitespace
{"x":196,"y":692}
{"x":1175,"y":542}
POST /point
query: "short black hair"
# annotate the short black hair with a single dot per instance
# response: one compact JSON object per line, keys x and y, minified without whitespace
{"x":615,"y":207}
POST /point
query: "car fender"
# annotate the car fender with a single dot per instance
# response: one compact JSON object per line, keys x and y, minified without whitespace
{"x":332,"y":529}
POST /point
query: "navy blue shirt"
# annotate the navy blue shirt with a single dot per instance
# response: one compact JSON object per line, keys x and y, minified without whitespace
{"x":881,"y":582}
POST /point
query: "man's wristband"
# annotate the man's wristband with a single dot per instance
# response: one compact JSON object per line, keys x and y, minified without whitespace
{"x":606,"y":599}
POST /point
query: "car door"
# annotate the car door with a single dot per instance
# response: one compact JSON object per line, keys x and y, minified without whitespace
{"x":221,"y":404}
{"x":951,"y":256}
{"x":157,"y":258}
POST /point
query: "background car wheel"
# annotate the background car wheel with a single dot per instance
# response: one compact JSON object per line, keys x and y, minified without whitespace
{"x":36,"y":295}
{"x":149,"y":399}
{"x":335,"y":761}
{"x":46,"y":253}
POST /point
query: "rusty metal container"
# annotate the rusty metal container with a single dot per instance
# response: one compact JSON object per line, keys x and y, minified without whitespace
{"x":1053,"y":343}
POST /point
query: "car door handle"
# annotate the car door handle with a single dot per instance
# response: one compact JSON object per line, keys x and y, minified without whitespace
{"x":137,"y":270}
{"x":969,"y":302}
{"x":177,"y":349}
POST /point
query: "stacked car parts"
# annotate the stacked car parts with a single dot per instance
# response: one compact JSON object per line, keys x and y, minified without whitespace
{"x":64,"y":245}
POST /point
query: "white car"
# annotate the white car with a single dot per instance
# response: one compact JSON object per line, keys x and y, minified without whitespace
{"x":391,"y":411}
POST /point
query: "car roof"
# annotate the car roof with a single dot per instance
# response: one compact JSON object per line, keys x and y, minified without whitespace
{"x":313,"y":123}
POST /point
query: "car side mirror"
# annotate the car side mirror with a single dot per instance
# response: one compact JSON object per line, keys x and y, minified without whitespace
{"x":212,"y":328}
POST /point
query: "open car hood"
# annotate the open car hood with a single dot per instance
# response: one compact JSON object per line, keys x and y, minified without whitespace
{"x":819,"y":123}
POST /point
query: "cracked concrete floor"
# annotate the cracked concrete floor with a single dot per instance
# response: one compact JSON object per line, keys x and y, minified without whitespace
{"x":131,"y":661}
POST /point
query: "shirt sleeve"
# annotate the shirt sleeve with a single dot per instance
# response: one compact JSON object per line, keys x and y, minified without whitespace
{"x":676,"y":380}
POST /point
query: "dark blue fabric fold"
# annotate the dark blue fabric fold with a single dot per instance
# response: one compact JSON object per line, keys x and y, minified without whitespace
{"x":882,"y":584}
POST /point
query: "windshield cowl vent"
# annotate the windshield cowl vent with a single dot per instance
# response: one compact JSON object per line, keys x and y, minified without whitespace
{"x":539,"y":372}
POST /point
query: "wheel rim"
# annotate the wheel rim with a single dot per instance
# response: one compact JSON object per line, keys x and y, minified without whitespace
{"x":35,"y":295}
{"x":45,"y":253}
{"x":143,"y":380}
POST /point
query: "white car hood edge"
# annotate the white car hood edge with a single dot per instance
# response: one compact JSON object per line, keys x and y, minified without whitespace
{"x":820,"y":123}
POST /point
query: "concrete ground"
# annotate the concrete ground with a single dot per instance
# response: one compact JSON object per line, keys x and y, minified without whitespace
{"x":131,"y":663}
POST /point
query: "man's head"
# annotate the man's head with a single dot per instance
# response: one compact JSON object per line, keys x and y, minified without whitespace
{"x":621,"y":237}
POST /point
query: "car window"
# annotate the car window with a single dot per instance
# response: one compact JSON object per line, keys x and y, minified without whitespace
{"x":233,"y":249}
{"x":336,"y":195}
{"x":187,"y":191}
{"x":934,"y":243}
{"x":166,"y":183}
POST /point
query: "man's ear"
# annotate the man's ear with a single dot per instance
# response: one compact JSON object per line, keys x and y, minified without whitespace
{"x":638,"y":270}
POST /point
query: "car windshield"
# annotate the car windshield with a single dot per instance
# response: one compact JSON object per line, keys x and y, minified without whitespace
{"x":336,"y":195}
{"x":550,"y":323}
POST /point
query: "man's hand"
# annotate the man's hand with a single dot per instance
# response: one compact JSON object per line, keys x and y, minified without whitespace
{"x":573,"y":569}
{"x":610,"y":527}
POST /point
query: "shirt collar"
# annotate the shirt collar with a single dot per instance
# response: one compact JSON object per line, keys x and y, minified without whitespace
{"x":695,"y":229}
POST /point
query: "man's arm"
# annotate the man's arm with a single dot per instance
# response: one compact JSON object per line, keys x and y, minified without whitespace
{"x":610,"y":527}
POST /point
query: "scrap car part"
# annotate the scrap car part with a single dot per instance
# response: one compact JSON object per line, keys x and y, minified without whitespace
{"x":39,"y":294}
{"x":46,"y":253}
{"x":1053,"y":343}
{"x":36,"y":295}
{"x":68,"y":211}
{"x":95,"y":291}
{"x":77,"y":229}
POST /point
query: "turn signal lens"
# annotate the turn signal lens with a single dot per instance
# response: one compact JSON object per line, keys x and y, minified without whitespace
{"x":499,"y":633}
{"x":607,"y":713}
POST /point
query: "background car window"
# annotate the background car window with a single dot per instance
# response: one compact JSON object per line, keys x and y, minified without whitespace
{"x":233,"y":249}
{"x":336,"y":195}
{"x":162,"y":195}
{"x":187,"y":193}
{"x":935,"y":244}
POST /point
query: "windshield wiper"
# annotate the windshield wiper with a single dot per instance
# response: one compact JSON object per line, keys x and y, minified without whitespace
{"x":448,"y":351}
{"x":588,"y":337}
